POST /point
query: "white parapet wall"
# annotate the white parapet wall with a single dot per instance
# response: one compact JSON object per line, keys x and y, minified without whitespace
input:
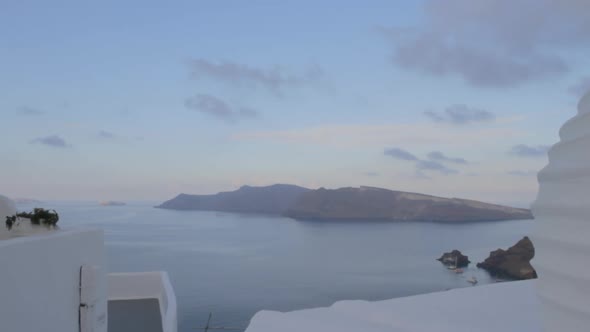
{"x":40,"y":282}
{"x":142,"y":286}
{"x":505,"y":307}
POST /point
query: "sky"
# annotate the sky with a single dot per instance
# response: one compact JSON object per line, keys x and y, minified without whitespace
{"x":143,"y":100}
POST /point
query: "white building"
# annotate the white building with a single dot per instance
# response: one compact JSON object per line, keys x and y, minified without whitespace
{"x":56,"y":281}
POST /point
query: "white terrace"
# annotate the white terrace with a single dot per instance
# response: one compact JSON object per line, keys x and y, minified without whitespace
{"x":57,"y":282}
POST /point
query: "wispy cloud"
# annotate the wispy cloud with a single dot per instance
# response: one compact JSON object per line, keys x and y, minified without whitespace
{"x":274,"y":79}
{"x":461,"y":115}
{"x":53,"y":141}
{"x":522,"y":173}
{"x":528,"y":151}
{"x":429,"y":165}
{"x":106,"y":134}
{"x":218,"y":108}
{"x":490,"y":43}
{"x":401,"y":154}
{"x":31,"y":111}
{"x":581,"y":87}
{"x":441,"y":157}
{"x":420,"y":165}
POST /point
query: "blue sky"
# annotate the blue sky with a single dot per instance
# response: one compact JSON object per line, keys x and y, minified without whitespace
{"x":144,"y":100}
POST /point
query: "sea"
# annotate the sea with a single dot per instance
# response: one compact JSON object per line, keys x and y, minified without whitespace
{"x":234,"y":265}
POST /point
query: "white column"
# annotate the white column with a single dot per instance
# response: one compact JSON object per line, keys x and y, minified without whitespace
{"x":562,"y":236}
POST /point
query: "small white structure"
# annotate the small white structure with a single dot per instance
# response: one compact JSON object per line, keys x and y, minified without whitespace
{"x":562,"y":238}
{"x":141,"y":302}
{"x":22,"y":227}
{"x":57,"y":281}
{"x":7,"y":207}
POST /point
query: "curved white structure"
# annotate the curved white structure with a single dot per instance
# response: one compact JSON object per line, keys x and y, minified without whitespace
{"x":503,"y":307}
{"x":562,"y":236}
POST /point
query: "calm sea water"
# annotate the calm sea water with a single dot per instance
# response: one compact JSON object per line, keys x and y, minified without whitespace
{"x":235,"y":265}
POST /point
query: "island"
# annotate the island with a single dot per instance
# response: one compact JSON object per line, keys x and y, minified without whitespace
{"x":112,"y":203}
{"x":275,"y":199}
{"x":358,"y":204}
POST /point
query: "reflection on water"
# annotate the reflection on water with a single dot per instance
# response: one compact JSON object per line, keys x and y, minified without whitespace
{"x":234,"y":265}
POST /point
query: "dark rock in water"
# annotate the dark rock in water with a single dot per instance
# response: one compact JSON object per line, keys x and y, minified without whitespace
{"x":513,"y":263}
{"x":454,"y":258}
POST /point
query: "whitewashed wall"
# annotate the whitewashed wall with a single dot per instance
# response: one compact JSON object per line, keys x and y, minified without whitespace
{"x":39,"y":280}
{"x":562,"y":236}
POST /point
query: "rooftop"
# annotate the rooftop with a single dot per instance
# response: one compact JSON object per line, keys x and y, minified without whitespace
{"x":506,"y":307}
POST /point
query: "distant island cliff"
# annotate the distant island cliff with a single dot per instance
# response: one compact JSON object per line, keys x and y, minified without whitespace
{"x":364,"y":203}
{"x":383,"y":204}
{"x":275,"y":199}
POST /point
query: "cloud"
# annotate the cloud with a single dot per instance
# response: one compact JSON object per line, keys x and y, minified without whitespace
{"x":461,"y":115}
{"x":26,"y":110}
{"x":106,"y":134}
{"x":400,"y":154}
{"x":247,"y":112}
{"x":522,"y":173}
{"x":527,"y":151}
{"x":581,"y":87}
{"x":53,"y":141}
{"x":218,"y":108}
{"x":439,"y":156}
{"x":273,"y":79}
{"x":492,"y":43}
{"x":420,"y":165}
{"x":429,"y":165}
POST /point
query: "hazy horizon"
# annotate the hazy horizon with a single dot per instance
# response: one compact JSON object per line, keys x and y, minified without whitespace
{"x":140,"y":101}
{"x":131,"y":200}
